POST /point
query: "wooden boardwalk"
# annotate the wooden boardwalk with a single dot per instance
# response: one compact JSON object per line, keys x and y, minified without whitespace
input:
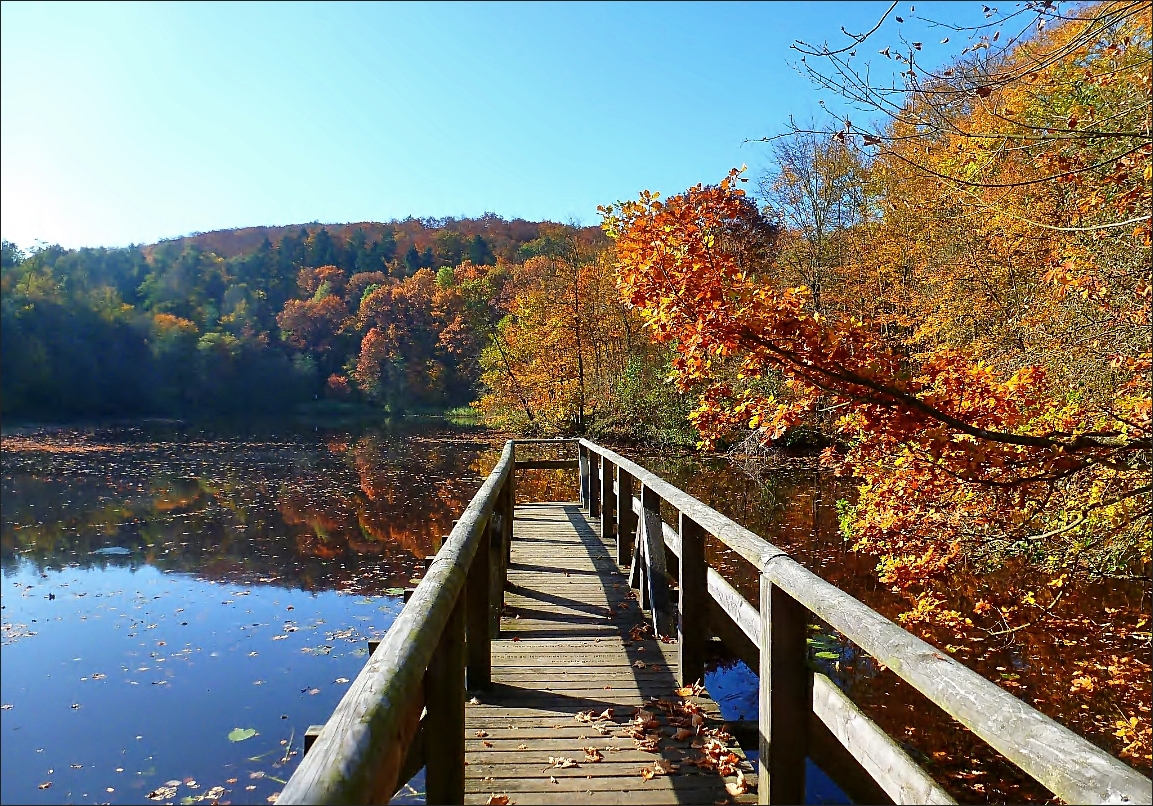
{"x":569,"y":649}
{"x":575,"y":700}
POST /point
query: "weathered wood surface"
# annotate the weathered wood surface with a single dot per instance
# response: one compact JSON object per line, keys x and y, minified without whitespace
{"x":565,"y":647}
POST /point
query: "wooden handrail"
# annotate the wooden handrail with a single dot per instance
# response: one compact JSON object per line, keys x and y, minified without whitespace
{"x":362,"y":749}
{"x":1067,"y":764}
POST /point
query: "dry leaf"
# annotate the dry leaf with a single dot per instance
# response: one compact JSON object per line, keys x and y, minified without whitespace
{"x":487,"y":743}
{"x":498,"y":800}
{"x":592,"y":754}
{"x":522,"y":747}
{"x":738,"y":787}
{"x":682,"y":734}
{"x":480,"y":734}
{"x":552,"y":779}
{"x":638,"y":664}
{"x":561,"y":762}
{"x":686,"y":691}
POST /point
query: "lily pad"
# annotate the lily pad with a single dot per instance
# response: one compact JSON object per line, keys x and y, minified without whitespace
{"x":394,"y":591}
{"x":240,"y":734}
{"x":828,"y":655}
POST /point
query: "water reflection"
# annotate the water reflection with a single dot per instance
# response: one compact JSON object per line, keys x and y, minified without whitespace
{"x":179,"y":606}
{"x":343,"y":511}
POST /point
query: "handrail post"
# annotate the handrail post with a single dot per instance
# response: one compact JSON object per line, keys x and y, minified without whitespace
{"x":786,"y":697}
{"x":595,"y":473}
{"x":626,"y":518}
{"x":693,"y":582}
{"x":444,"y":723}
{"x":656,"y":574}
{"x":477,"y":610}
{"x":583,"y":481}
{"x":510,"y":511}
{"x":607,"y":500}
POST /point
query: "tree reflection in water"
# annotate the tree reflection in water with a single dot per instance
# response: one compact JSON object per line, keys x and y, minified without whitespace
{"x":345,"y":511}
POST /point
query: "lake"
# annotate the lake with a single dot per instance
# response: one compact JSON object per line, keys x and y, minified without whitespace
{"x":180,"y":604}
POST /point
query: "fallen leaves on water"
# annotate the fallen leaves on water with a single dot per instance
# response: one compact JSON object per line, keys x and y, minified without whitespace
{"x":340,"y":680}
{"x":162,"y":793}
{"x":240,"y":734}
{"x":45,"y":785}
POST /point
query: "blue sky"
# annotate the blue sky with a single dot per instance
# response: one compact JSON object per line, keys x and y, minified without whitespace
{"x":129,"y":123}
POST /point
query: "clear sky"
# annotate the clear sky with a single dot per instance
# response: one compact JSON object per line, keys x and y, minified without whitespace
{"x":130,"y":123}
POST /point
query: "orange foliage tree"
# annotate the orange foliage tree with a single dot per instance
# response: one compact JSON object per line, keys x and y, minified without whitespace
{"x":984,"y":345}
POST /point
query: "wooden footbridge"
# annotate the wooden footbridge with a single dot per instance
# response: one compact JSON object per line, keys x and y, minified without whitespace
{"x":553,"y":651}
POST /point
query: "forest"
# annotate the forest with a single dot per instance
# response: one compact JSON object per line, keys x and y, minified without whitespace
{"x":951,"y":304}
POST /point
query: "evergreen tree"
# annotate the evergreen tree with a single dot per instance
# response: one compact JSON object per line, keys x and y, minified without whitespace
{"x":479,"y":252}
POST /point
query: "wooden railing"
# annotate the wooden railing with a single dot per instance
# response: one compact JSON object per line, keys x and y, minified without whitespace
{"x":803,"y":713}
{"x":411,"y":693}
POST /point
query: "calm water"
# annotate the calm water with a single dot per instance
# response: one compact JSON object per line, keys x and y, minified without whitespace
{"x":180,"y":605}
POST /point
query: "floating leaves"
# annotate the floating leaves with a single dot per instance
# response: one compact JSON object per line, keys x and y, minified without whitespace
{"x":241,"y":734}
{"x":165,"y":792}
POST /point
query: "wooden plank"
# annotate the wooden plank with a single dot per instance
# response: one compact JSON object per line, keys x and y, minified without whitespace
{"x":785,"y":697}
{"x":414,"y":760}
{"x":881,"y":758}
{"x":583,"y":462}
{"x":626,"y":518}
{"x":595,"y":485}
{"x":656,"y":574}
{"x":607,"y":502}
{"x":693,"y":612}
{"x":544,"y":679}
{"x":478,"y":615}
{"x":444,"y":723}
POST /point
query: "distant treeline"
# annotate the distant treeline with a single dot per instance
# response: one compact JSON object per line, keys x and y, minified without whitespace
{"x":253,"y":320}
